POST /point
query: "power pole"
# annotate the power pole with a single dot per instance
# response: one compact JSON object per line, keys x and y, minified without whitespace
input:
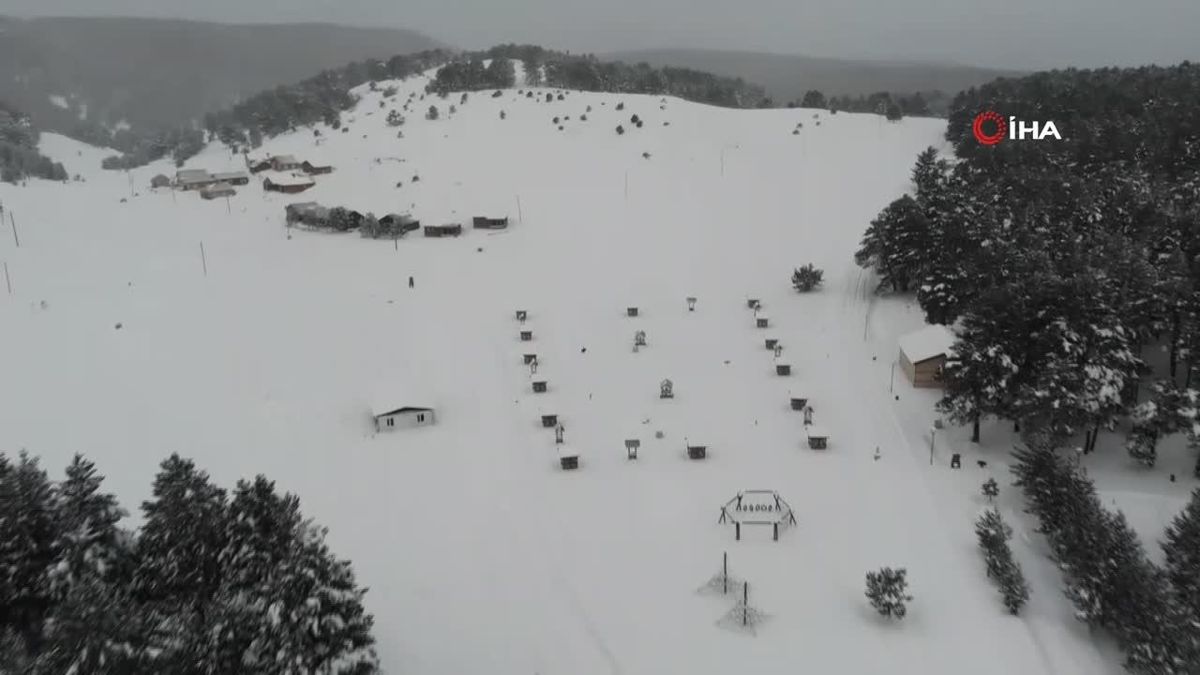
{"x":203,"y":259}
{"x":12,"y":219}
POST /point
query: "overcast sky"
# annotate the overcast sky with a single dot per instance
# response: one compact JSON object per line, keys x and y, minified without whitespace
{"x":1001,"y":33}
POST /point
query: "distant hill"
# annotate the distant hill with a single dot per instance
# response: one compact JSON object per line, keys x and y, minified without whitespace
{"x":153,"y":73}
{"x":787,"y":77}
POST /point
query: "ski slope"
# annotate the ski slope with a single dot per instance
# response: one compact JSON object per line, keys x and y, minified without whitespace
{"x":480,"y":554}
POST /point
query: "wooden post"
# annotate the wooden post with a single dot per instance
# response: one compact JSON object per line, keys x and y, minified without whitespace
{"x":775,"y":526}
{"x":737,"y":531}
{"x":520,"y":214}
{"x":203,"y":259}
{"x":725,"y":572}
{"x":7,"y":280}
{"x":745,"y":602}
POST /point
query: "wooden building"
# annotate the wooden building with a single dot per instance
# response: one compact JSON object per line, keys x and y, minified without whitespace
{"x":762,"y":321}
{"x":315,"y":169}
{"x":402,"y":222}
{"x":217,"y":190}
{"x":288,"y":184}
{"x":783,"y":369}
{"x":485,"y":223}
{"x":818,"y":438}
{"x":799,"y":403}
{"x":193,"y":179}
{"x":284,"y":163}
{"x":631,"y":311}
{"x":451,"y":230}
{"x":632,"y":445}
{"x":697,"y":451}
{"x":392,"y":415}
{"x":232,"y":177}
{"x":539,"y":386}
{"x":923,"y":353}
{"x":568,"y":458}
{"x":549,"y":421}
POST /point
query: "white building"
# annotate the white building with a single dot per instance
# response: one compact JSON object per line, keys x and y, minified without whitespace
{"x":393,"y":414}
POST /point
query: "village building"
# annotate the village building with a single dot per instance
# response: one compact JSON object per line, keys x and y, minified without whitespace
{"x":404,"y":223}
{"x":286,"y":183}
{"x":284,"y":163}
{"x":193,"y":179}
{"x":392,"y":414}
{"x":232,"y":177}
{"x":160,"y":181}
{"x":451,"y":230}
{"x":217,"y":190}
{"x":923,"y":354}
{"x":315,"y":169}
{"x":484,"y":223}
{"x":258,"y":165}
{"x":309,"y":213}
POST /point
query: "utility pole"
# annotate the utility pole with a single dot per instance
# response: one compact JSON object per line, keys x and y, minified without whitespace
{"x":203,"y":259}
{"x":7,"y":280}
{"x":12,"y":219}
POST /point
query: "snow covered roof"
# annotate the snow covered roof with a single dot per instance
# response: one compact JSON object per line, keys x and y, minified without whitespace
{"x":192,"y":174}
{"x":815,"y":431}
{"x":284,"y":159}
{"x":566,"y":451}
{"x":219,"y":188}
{"x":930,"y":342}
{"x":391,"y":406}
{"x":290,"y":179}
{"x":229,"y":175}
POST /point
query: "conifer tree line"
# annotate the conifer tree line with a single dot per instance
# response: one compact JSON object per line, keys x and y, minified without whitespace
{"x":1153,"y":613}
{"x":19,"y":155}
{"x":1062,"y":263}
{"x":320,"y":98}
{"x":214,"y":582}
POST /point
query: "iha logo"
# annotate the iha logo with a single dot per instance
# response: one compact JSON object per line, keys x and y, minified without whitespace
{"x":1011,"y":128}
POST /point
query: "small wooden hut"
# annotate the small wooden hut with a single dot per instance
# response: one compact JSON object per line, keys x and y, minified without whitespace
{"x":697,"y":451}
{"x":631,"y":311}
{"x":762,"y":321}
{"x":631,"y":448}
{"x":522,"y":315}
{"x":568,"y":458}
{"x":539,"y":386}
{"x":770,"y":343}
{"x":818,"y":438}
{"x":799,"y":403}
{"x":530,"y":358}
{"x":526,"y":336}
{"x":549,"y":421}
{"x":783,"y":369}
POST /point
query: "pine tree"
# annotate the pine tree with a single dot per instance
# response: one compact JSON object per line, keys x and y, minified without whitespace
{"x":813,"y":99}
{"x":286,"y":604}
{"x":806,"y":278}
{"x":185,"y":530}
{"x":97,"y":628}
{"x":897,"y":244}
{"x":1182,"y":549}
{"x":887,"y":591}
{"x":991,"y":489}
{"x":928,"y":175}
{"x":993,"y":534}
{"x":28,"y":532}
{"x":90,"y":544}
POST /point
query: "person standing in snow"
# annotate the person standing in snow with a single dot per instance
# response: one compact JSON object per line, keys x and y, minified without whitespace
{"x":410,"y":282}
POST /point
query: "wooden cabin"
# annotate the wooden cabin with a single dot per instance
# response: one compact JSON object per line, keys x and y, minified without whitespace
{"x":287,"y":184}
{"x":526,"y":336}
{"x":315,"y":169}
{"x":217,"y":190}
{"x":522,"y":315}
{"x":770,"y":343}
{"x":753,"y":303}
{"x":632,"y":445}
{"x":549,"y":421}
{"x":697,"y":451}
{"x":539,"y":386}
{"x":631,"y":311}
{"x":568,"y":458}
{"x":783,"y":369}
{"x":923,"y":354}
{"x":484,"y":223}
{"x":530,"y":358}
{"x":818,"y":438}
{"x":799,"y":403}
{"x":762,"y":321}
{"x":450,"y":230}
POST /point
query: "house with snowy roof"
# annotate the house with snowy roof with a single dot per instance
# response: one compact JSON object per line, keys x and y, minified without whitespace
{"x":923,"y":354}
{"x":391,"y":414}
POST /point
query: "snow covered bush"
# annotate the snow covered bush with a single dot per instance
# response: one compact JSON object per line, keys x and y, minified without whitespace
{"x":887,"y":591}
{"x":807,"y":278}
{"x":990,"y":489}
{"x":432,"y":114}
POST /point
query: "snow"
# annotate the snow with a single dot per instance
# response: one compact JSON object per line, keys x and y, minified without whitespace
{"x":59,"y":102}
{"x":265,"y":365}
{"x":927,"y":343}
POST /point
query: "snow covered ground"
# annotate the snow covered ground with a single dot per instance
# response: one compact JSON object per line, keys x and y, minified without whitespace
{"x":481,"y":555}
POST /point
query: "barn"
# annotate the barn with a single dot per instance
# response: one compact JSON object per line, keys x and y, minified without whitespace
{"x":315,"y":169}
{"x":485,"y":223}
{"x":287,"y":184}
{"x":451,"y":230}
{"x":232,"y":177}
{"x":923,"y":354}
{"x":218,"y":190}
{"x":284,"y":163}
{"x":193,"y":179}
{"x":393,"y":414}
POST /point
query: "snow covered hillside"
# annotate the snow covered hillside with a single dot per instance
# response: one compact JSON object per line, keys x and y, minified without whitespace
{"x":481,"y":555}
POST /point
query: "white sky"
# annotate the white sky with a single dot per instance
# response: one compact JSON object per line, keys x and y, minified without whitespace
{"x":1000,"y":33}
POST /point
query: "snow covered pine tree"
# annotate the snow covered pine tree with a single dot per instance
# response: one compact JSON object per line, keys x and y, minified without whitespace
{"x":886,"y":589}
